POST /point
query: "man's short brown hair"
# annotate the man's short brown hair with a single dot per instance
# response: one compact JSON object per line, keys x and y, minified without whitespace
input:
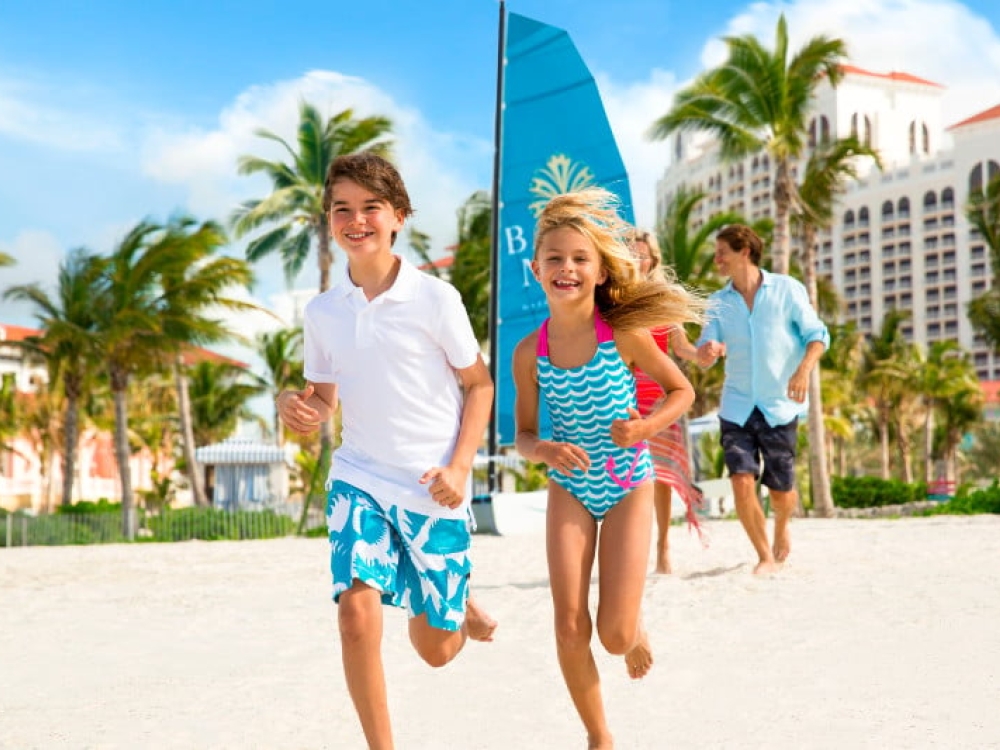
{"x":739,"y":236}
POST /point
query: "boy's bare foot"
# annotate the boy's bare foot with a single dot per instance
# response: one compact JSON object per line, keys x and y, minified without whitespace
{"x":639,"y":659}
{"x":782,"y":543}
{"x":479,"y":626}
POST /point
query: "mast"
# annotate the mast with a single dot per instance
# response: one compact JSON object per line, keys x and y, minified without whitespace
{"x":494,"y":250}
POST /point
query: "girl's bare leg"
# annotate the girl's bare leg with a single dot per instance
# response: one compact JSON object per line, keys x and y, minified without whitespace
{"x":571,"y":536}
{"x":623,"y":552}
{"x":359,"y":614}
{"x":662,"y":496}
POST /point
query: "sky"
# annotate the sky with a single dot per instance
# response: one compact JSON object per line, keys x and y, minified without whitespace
{"x":112,"y":112}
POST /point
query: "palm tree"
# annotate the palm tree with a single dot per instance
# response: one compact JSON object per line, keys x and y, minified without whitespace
{"x":829,"y":167}
{"x":294,"y":209}
{"x":759,"y":100}
{"x":470,"y":273}
{"x":841,"y":364}
{"x":7,"y":260}
{"x":882,"y":375}
{"x":193,"y":287}
{"x":983,"y":213}
{"x":220,"y":396}
{"x":281,"y":351}
{"x":68,"y":341}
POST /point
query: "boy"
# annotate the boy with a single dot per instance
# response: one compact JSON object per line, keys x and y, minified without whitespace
{"x":396,"y":348}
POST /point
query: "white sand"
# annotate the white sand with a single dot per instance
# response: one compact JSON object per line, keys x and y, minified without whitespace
{"x":877,"y":634}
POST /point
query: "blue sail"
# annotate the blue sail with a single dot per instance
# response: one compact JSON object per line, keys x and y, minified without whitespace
{"x":554,"y":138}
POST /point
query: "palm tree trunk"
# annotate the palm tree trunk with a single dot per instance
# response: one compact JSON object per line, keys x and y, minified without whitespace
{"x":325,"y":256}
{"x":119,"y":383}
{"x":929,"y":444}
{"x":822,"y":495}
{"x":782,"y":246}
{"x":883,"y":439}
{"x":194,"y":473}
{"x":819,"y":470}
{"x":71,"y":428}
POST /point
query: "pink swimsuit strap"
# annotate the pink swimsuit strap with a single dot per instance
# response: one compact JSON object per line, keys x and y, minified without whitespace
{"x":604,"y":333}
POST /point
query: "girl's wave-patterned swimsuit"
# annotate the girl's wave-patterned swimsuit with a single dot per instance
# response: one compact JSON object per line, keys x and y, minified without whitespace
{"x":583,"y":402}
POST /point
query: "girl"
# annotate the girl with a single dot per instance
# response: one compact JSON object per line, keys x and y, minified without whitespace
{"x":600,"y":470}
{"x":668,"y":448}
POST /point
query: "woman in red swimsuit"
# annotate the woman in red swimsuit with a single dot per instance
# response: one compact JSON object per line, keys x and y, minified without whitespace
{"x":669,"y":449}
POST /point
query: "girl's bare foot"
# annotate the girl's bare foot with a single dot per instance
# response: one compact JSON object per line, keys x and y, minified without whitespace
{"x":766,"y":567}
{"x":639,"y":659}
{"x":600,"y":743}
{"x":479,"y":626}
{"x":663,"y":565}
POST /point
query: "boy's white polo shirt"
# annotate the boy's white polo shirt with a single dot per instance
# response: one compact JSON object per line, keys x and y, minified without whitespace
{"x":393,"y":360}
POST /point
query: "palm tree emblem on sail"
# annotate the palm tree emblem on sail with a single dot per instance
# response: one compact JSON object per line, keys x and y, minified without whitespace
{"x":560,"y":175}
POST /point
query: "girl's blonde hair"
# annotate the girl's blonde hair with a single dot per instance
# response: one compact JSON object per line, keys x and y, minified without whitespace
{"x":625,"y":300}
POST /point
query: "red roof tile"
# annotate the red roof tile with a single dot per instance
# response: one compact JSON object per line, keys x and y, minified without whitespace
{"x":894,"y":75}
{"x":992,"y":113}
{"x":16,"y":333}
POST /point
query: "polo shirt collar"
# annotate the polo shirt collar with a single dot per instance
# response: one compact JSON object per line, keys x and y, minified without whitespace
{"x":402,"y":289}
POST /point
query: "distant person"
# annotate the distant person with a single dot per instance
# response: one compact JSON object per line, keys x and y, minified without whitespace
{"x":669,"y":447}
{"x":600,"y":489}
{"x":772,"y":338}
{"x":395,"y":347}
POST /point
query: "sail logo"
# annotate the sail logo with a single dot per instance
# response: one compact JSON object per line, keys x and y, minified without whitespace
{"x":560,"y":175}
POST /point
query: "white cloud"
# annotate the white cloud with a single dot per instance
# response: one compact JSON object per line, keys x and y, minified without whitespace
{"x":939,"y":40}
{"x":67,"y":127}
{"x":38,"y":254}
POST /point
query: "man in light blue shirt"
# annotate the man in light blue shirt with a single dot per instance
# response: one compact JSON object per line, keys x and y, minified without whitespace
{"x":772,"y":338}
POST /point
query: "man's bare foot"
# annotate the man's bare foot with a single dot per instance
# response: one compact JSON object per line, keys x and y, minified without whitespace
{"x":604,"y":742}
{"x":766,"y":567}
{"x":479,"y":626}
{"x":639,"y":659}
{"x":782,"y":543}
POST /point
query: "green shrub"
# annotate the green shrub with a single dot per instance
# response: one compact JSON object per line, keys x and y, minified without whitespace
{"x":872,"y":492}
{"x":212,"y":524}
{"x":970,"y":502}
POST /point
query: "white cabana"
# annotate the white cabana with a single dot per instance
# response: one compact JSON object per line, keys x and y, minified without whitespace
{"x":243,"y":474}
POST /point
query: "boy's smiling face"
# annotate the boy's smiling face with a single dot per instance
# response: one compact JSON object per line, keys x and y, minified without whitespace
{"x":360,"y":221}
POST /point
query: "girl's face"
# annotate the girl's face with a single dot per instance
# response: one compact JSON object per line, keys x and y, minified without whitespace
{"x":360,"y":221}
{"x":567,"y":265}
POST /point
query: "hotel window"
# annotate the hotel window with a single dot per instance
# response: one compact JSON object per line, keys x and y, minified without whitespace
{"x":889,"y":303}
{"x":888,"y":251}
{"x":889,"y":285}
{"x":887,"y":211}
{"x":904,"y":248}
{"x":978,"y":252}
{"x":947,"y":199}
{"x":933,"y":295}
{"x":866,"y":290}
{"x":849,"y":220}
{"x":888,"y":268}
{"x":933,"y":312}
{"x":851,"y":276}
{"x":934,"y":329}
{"x":931,"y":260}
{"x":863,"y":216}
{"x":906,"y":300}
{"x":866,"y":305}
{"x":903,"y":208}
{"x":948,"y":258}
{"x":951,"y":328}
{"x":949,"y":274}
{"x":930,"y":202}
{"x":904,"y":264}
{"x":978,"y":287}
{"x":948,"y":240}
{"x":950,"y":310}
{"x":931,"y":277}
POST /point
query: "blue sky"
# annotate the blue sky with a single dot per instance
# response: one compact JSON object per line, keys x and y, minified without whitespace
{"x":111,"y":112}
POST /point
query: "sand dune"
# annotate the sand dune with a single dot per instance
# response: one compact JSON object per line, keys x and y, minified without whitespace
{"x":877,"y":634}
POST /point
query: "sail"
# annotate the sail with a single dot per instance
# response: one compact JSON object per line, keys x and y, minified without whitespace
{"x":554,"y":138}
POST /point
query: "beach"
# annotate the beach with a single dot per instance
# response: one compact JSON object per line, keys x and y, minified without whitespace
{"x":876,"y":634}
